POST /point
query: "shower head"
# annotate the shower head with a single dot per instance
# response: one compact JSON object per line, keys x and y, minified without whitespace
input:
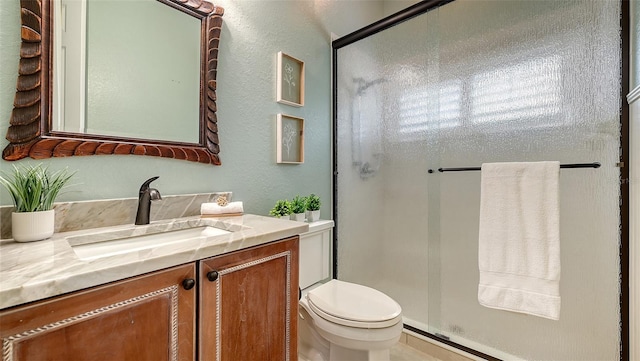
{"x":363,"y":84}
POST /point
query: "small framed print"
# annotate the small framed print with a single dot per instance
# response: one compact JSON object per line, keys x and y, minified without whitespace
{"x":289,"y":139}
{"x":290,"y":80}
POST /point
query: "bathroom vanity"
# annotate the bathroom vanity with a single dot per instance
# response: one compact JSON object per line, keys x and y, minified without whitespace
{"x":229,"y":296}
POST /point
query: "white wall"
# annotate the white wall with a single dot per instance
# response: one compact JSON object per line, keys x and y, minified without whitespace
{"x":634,"y":232}
{"x":634,"y":189}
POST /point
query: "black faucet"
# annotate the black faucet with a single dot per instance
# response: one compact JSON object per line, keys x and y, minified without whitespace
{"x":147,"y":194}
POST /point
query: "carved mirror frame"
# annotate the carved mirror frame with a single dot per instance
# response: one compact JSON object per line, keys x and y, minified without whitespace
{"x":30,"y":133}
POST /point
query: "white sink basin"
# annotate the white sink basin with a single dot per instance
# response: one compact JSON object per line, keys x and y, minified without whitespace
{"x":105,"y":244}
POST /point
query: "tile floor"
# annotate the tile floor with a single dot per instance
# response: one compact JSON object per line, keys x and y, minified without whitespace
{"x":411,"y":348}
{"x":403,"y":352}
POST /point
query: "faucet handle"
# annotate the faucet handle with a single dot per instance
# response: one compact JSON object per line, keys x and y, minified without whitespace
{"x":154,"y":194}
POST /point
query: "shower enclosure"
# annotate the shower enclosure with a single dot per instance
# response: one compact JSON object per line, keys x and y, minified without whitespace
{"x":463,"y":84}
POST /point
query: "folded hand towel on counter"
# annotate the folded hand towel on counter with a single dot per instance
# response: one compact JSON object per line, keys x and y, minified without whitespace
{"x":215,"y":210}
{"x":519,"y":238}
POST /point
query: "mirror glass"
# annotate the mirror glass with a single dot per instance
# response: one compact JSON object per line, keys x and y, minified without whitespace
{"x":126,"y":69}
{"x":143,"y":82}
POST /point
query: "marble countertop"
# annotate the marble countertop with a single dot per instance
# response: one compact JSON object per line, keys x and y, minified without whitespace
{"x":37,"y":270}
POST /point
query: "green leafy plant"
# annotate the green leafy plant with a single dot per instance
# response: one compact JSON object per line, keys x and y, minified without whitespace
{"x":298,"y":205}
{"x":34,"y":188}
{"x":313,"y":202}
{"x":281,"y":208}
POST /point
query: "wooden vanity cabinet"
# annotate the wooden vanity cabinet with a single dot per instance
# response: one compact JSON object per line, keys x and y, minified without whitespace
{"x":145,"y":318}
{"x":249,"y":304}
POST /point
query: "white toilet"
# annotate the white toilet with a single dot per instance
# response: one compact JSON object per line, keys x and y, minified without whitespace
{"x":342,"y":321}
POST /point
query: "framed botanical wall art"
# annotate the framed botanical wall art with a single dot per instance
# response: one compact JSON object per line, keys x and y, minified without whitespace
{"x":289,"y":139}
{"x":290,"y":80}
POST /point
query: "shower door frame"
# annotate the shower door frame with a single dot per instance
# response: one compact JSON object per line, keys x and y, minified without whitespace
{"x":428,"y":5}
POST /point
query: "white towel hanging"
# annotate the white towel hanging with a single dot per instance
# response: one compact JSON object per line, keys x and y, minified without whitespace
{"x":519,"y":238}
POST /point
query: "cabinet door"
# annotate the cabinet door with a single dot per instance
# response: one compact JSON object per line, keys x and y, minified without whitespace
{"x":146,"y":318}
{"x":249,"y":304}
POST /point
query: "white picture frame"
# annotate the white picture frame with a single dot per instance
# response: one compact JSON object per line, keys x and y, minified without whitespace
{"x":289,"y":80}
{"x":289,"y":139}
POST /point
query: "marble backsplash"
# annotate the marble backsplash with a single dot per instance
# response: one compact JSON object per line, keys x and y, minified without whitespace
{"x":73,"y":216}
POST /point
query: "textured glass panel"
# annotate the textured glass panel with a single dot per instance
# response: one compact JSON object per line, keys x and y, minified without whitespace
{"x":474,"y":82}
{"x":382,"y":178}
{"x":543,"y":84}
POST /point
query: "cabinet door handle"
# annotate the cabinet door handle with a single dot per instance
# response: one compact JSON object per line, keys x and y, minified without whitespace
{"x":212,"y":276}
{"x":188,"y":283}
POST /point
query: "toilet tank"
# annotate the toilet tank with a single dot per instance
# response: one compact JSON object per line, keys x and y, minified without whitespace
{"x":315,"y":253}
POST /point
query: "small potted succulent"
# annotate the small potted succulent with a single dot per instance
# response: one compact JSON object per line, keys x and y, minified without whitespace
{"x":33,"y":190}
{"x":282,"y":208}
{"x":313,"y":207}
{"x":298,"y":208}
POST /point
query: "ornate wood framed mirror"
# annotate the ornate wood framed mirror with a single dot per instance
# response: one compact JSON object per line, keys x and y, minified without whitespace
{"x":30,"y":131}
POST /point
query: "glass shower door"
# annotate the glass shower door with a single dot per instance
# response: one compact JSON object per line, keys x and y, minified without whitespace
{"x":468,"y":83}
{"x":382,"y":198}
{"x":540,"y":81}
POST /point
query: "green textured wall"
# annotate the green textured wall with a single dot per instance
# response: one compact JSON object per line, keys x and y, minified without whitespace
{"x":635,"y":44}
{"x":253,"y":32}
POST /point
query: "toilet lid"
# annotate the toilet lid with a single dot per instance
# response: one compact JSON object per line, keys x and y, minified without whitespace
{"x":344,"y":302}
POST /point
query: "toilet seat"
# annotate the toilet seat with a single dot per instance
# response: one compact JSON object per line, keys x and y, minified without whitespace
{"x":354,"y":305}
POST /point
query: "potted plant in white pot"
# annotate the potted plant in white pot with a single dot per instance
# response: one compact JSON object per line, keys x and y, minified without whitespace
{"x":282,"y":208}
{"x":313,"y":207}
{"x":33,"y":190}
{"x":298,"y":208}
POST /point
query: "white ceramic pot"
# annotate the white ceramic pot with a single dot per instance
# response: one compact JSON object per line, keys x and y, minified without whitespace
{"x":297,"y":217}
{"x":313,"y":216}
{"x":32,"y":226}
